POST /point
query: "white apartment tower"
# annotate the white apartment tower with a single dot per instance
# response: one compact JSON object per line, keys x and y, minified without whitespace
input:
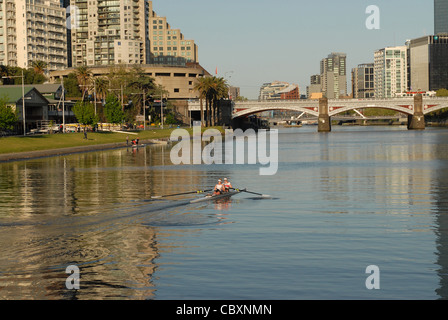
{"x":110,"y":32}
{"x":126,"y":32}
{"x":33,"y":30}
{"x":390,"y":71}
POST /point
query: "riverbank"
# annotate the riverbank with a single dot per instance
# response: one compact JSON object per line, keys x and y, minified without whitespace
{"x":31,"y":147}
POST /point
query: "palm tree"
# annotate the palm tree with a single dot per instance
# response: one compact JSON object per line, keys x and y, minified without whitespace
{"x":202,"y":87}
{"x":84,"y":76}
{"x":212,"y":89}
{"x":220,"y":91}
{"x":39,"y":66}
{"x":101,"y":87}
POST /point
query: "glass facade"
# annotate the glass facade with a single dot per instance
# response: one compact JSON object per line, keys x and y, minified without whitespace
{"x":438,"y":65}
{"x":440,"y":16}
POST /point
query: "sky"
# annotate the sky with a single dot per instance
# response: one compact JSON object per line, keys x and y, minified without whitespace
{"x":251,"y":42}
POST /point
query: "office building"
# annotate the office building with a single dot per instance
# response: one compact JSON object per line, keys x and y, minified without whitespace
{"x":363,"y":81}
{"x":271,"y":90}
{"x":334,"y":75}
{"x":440,"y":17}
{"x":314,"y":90}
{"x":390,"y":71}
{"x":292,"y":92}
{"x":32,"y":30}
{"x":428,"y":63}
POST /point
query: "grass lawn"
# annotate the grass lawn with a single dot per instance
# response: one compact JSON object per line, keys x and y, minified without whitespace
{"x":56,"y":141}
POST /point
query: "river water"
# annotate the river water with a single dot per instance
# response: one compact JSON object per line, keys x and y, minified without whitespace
{"x":342,"y":201}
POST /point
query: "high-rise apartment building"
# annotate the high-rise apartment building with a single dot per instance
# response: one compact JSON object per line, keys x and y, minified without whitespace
{"x":168,"y":46}
{"x":440,"y":16}
{"x":363,"y":81}
{"x":126,"y":32}
{"x":110,"y":32}
{"x":428,"y":63}
{"x":32,"y":30}
{"x":390,"y":71}
{"x":334,"y":75}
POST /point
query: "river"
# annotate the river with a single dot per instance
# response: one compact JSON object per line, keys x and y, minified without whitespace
{"x":340,"y":202}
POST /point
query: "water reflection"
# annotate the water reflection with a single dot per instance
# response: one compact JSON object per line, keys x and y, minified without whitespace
{"x":441,"y":198}
{"x":82,"y":210}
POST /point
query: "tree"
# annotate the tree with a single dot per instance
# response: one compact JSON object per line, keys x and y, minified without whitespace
{"x":201,"y":86}
{"x":8,"y":117}
{"x":442,"y":93}
{"x":85,"y":113}
{"x":113,"y":110}
{"x":71,"y":86}
{"x":212,"y":89}
{"x":84,"y":76}
{"x":39,"y":66}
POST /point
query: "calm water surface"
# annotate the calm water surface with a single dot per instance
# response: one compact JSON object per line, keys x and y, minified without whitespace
{"x":342,"y":201}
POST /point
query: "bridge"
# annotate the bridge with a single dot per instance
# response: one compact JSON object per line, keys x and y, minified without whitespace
{"x":324,"y":109}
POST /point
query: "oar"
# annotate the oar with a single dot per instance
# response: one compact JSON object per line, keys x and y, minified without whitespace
{"x":180,"y":194}
{"x":258,"y":194}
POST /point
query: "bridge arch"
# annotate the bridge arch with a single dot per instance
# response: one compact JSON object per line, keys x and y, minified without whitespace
{"x":409,"y":110}
{"x":431,"y":108}
{"x":246,"y":112}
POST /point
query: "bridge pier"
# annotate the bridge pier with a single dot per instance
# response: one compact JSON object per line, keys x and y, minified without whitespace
{"x":324,"y":120}
{"x":417,"y":120}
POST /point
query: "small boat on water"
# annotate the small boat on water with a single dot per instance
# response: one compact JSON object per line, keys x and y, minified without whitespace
{"x":138,"y":146}
{"x":209,"y":197}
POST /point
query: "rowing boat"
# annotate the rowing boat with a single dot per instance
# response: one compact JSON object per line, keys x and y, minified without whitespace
{"x":217,"y":197}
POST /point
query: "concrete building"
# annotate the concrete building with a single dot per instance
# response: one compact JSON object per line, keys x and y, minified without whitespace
{"x":363,"y":81}
{"x":126,"y":32}
{"x":33,"y":30}
{"x":428,"y":63}
{"x":390,"y":71}
{"x":168,"y":45}
{"x":314,"y":90}
{"x":271,"y":90}
{"x":110,"y":32}
{"x":440,"y":17}
{"x":333,"y":74}
{"x":179,"y":81}
{"x":292,"y":92}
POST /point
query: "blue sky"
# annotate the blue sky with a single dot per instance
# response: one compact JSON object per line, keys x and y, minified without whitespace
{"x":256,"y":41}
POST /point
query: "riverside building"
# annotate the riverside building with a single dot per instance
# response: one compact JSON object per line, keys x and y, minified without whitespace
{"x":333,"y":75}
{"x":390,"y":71}
{"x":32,"y":30}
{"x":126,"y":32}
{"x":428,"y":63}
{"x":363,"y":81}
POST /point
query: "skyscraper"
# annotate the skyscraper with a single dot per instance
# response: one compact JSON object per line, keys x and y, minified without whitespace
{"x":428,"y":63}
{"x":440,"y":16}
{"x":390,"y":71}
{"x":334,"y":75}
{"x":33,"y":30}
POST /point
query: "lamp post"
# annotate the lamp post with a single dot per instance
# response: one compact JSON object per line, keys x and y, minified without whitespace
{"x":23,"y":100}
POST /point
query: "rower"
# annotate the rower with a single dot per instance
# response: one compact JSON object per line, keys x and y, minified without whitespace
{"x":219,"y":188}
{"x":227,"y":185}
